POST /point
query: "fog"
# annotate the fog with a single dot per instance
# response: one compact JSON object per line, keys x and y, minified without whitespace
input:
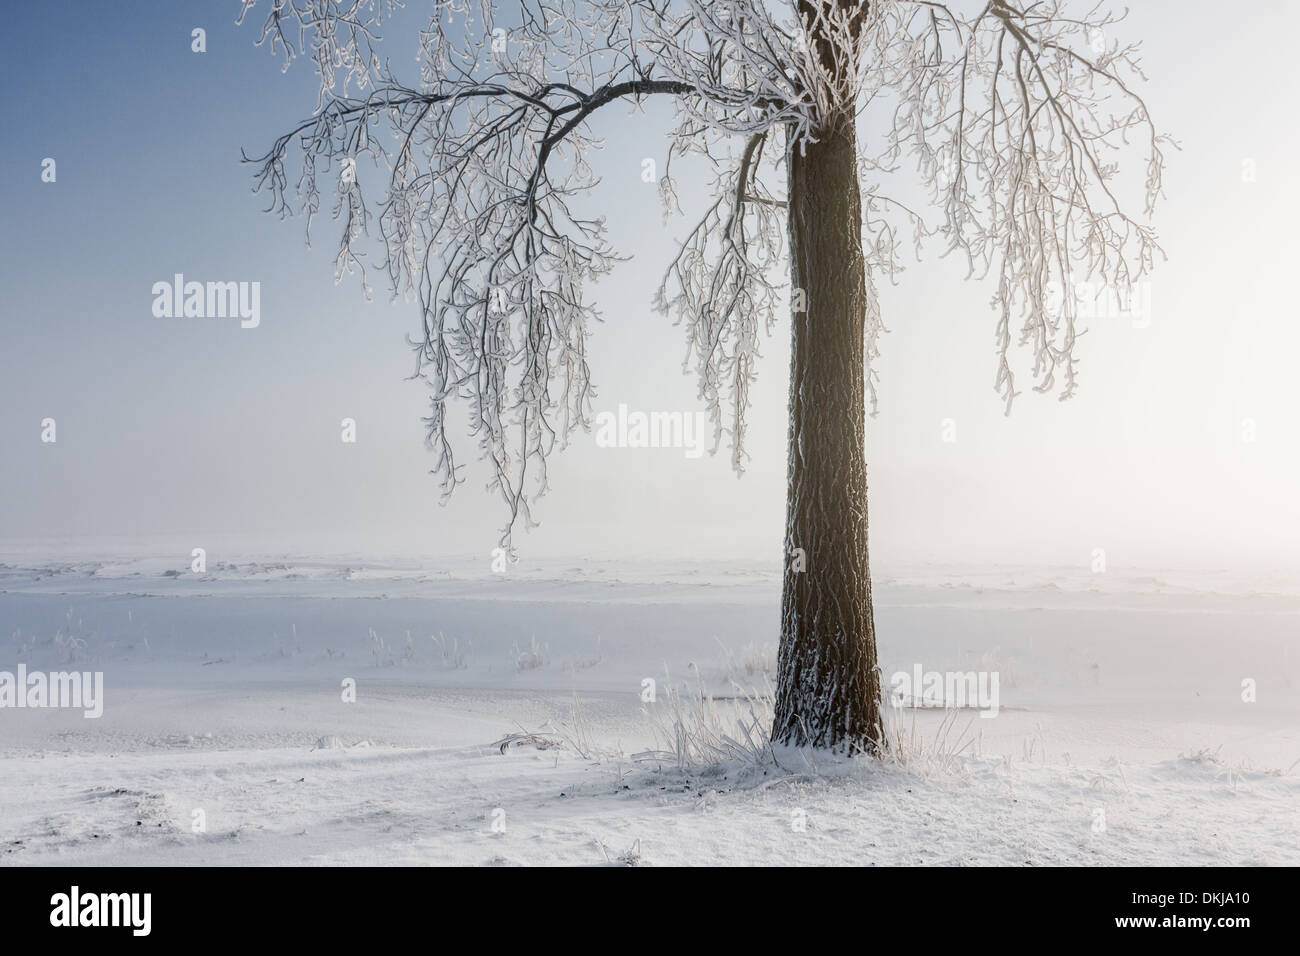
{"x":1178,"y":450}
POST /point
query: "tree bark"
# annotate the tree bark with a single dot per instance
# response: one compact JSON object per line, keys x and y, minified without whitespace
{"x":828,"y":686}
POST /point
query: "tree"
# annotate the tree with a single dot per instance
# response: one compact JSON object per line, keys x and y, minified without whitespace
{"x":1013,"y":116}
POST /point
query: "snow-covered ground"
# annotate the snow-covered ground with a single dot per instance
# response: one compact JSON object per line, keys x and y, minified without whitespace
{"x":1122,"y":734}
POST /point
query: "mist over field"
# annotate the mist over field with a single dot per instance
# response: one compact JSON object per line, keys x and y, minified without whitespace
{"x":220,"y":496}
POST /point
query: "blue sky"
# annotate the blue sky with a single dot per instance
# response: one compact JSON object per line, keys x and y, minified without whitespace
{"x":172,"y":431}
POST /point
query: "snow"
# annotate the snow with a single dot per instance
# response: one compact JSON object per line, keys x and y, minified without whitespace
{"x":1122,"y":735}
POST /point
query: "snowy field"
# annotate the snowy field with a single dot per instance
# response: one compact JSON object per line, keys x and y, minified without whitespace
{"x":1122,"y":735}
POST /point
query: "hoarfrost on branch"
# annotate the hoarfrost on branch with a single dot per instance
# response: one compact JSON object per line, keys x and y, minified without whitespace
{"x":1014,"y":118}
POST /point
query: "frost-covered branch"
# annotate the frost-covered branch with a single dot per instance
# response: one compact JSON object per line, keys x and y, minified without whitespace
{"x":719,"y":286}
{"x":1018,"y":118}
{"x":485,"y":160}
{"x":1013,"y":115}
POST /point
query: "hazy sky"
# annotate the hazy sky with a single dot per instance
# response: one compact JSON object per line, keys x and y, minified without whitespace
{"x":175,"y":431}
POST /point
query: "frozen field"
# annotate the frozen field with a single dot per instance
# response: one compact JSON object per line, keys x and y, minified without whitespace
{"x":1122,"y":735}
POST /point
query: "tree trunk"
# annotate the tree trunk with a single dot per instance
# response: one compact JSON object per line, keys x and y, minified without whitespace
{"x":828,"y":687}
